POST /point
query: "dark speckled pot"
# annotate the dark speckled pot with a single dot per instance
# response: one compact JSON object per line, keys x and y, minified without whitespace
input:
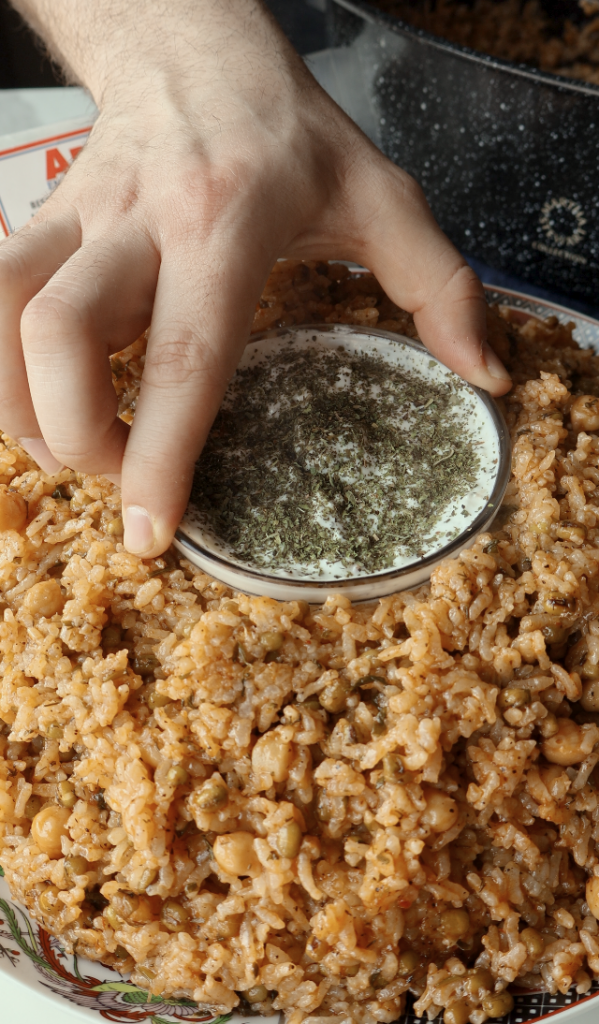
{"x":508,"y":156}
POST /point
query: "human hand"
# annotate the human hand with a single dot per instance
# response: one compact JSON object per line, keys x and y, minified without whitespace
{"x":214,"y":154}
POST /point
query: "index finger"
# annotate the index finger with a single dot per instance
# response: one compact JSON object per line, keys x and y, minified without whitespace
{"x":197,"y":335}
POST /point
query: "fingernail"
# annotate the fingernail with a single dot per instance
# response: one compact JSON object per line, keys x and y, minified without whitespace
{"x":39,"y":451}
{"x":115,"y":478}
{"x":139,"y":533}
{"x":494,"y":364}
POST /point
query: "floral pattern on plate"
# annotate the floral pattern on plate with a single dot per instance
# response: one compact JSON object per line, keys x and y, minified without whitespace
{"x":37,"y":959}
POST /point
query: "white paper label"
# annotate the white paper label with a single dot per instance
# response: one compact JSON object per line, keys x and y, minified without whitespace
{"x":32,"y":165}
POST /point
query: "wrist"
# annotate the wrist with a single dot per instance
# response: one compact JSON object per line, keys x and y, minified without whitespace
{"x":138,"y":49}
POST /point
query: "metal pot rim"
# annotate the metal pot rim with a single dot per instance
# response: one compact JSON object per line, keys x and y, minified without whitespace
{"x":365,"y":10}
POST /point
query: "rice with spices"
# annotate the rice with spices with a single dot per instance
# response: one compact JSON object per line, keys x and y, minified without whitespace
{"x":315,"y":810}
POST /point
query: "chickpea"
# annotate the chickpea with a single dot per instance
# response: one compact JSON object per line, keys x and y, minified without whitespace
{"x":177,"y":776}
{"x":272,"y":641}
{"x":174,"y":916}
{"x":513,"y":697}
{"x":44,"y":599}
{"x":212,"y":795}
{"x":498,"y":1004}
{"x":592,"y":896}
{"x":454,"y":924}
{"x":441,"y":811}
{"x":66,"y":794}
{"x":256,"y":994}
{"x":334,"y":697}
{"x":570,"y":744}
{"x":234,"y":853}
{"x":590,"y":695}
{"x":47,"y":829}
{"x":458,"y":1013}
{"x":533,"y":941}
{"x":49,"y":902}
{"x":479,"y":981}
{"x":407,"y":962}
{"x":289,"y":840}
{"x":584,"y":413}
{"x":75,"y":866}
{"x":13,"y":510}
{"x":272,"y":754}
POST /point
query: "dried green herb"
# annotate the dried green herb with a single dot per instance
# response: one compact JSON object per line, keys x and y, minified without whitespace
{"x":320,"y":456}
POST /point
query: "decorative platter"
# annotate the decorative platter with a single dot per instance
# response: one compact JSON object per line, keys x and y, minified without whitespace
{"x":34,"y":958}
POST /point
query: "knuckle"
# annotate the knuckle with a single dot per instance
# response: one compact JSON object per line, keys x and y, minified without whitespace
{"x":201,"y":196}
{"x":182,"y":361}
{"x":147,"y":465}
{"x":410,"y":191}
{"x":11,"y":268}
{"x":464,"y":283}
{"x":50,"y":315}
{"x":171,"y":364}
{"x":84,"y":455}
{"x":76,"y":455}
{"x":92,"y":447}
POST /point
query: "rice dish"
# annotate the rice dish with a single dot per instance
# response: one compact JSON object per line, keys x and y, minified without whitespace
{"x":317,"y":810}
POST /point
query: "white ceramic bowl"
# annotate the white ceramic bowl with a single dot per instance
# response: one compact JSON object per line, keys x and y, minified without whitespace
{"x":476,"y":406}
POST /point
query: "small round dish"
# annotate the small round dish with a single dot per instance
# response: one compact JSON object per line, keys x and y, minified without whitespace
{"x":473,"y":413}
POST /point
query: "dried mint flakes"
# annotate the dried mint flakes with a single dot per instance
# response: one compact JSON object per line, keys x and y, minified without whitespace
{"x":324,"y":456}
